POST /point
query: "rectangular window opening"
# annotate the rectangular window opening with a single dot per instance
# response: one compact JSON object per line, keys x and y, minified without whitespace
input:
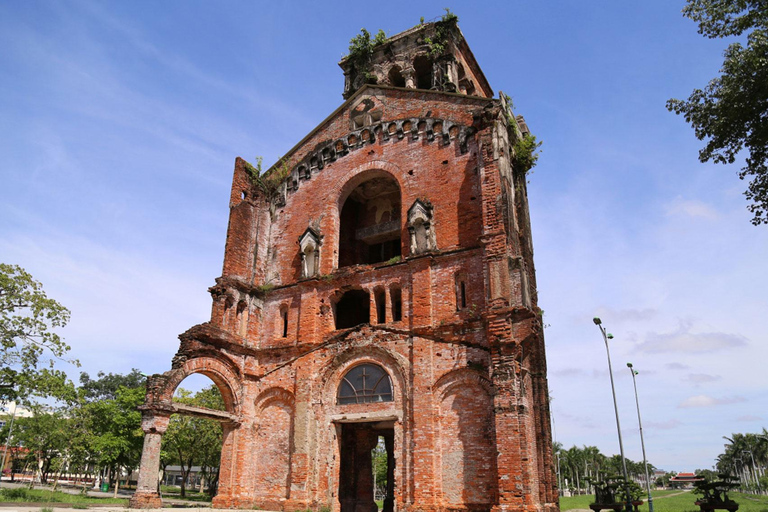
{"x":397,"y":307}
{"x":381,"y":307}
{"x":285,"y":324}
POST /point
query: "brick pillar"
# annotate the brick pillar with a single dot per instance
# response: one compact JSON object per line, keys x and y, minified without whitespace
{"x":154,"y":425}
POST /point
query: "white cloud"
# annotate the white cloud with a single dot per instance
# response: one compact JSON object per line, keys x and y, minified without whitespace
{"x":683,"y":340}
{"x":749,"y":418}
{"x":664,"y":425}
{"x":708,"y":401}
{"x":691,"y":208}
{"x":676,"y":366}
{"x":701,"y":378}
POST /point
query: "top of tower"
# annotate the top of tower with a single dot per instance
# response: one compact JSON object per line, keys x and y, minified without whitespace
{"x":431,"y":55}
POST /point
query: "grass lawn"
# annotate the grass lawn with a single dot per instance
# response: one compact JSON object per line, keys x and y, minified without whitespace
{"x":24,"y":495}
{"x":674,"y":501}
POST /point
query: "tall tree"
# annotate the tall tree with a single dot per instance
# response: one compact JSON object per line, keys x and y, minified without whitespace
{"x":731,"y":112}
{"x":28,"y":345}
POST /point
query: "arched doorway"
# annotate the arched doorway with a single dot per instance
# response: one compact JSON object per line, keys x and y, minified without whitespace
{"x":367,"y":465}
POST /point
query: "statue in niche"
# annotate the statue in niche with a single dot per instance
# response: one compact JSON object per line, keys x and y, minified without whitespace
{"x":420,"y":227}
{"x":309,"y":245}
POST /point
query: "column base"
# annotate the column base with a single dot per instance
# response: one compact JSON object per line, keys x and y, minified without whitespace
{"x":145,"y":500}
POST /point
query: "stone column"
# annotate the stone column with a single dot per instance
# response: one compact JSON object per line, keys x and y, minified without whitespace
{"x":154,"y":425}
{"x":366,"y":441}
{"x":389,"y":444}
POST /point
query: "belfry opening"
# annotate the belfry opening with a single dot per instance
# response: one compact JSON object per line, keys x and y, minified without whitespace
{"x":370,"y":230}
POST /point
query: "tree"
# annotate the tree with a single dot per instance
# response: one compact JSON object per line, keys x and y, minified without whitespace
{"x":27,"y":317}
{"x":731,"y":112}
{"x":115,"y":426}
{"x":107,"y":385}
{"x":44,"y":434}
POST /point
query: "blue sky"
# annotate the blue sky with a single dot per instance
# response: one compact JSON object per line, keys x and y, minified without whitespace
{"x":120,"y":123}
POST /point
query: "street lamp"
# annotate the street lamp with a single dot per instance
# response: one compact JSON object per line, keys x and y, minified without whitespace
{"x":642,"y":442}
{"x":606,"y":337}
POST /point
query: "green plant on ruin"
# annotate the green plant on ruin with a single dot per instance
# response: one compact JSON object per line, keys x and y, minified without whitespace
{"x":270,"y":181}
{"x":361,"y":47}
{"x":265,"y":288}
{"x":525,"y":152}
{"x":443,"y":29}
{"x":393,"y":260}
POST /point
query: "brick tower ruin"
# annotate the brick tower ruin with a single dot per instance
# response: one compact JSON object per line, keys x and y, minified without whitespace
{"x":378,"y":287}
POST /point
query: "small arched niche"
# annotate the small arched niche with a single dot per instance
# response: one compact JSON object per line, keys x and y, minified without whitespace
{"x":353,"y":308}
{"x":420,"y":227}
{"x":365,"y":383}
{"x":309,"y":244}
{"x":369,"y":227}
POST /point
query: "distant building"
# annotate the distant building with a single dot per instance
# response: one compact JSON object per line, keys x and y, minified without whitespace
{"x":685,"y":480}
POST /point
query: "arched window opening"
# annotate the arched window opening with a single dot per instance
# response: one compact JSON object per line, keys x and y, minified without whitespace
{"x":370,"y":223}
{"x":381,"y":306}
{"x":422,"y":66}
{"x":353,"y":308}
{"x":284,"y":318}
{"x":365,"y":383}
{"x":226,"y":320}
{"x":396,"y":77}
{"x":395,"y":296}
{"x":242,"y":318}
{"x":461,"y":291}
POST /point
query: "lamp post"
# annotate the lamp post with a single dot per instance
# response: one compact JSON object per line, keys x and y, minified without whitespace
{"x":642,"y":441}
{"x":606,"y":337}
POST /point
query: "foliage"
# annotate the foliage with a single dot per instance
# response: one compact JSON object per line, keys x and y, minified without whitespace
{"x":580,"y":468}
{"x":361,"y":47}
{"x":44,"y":435}
{"x":716,"y":491}
{"x":270,"y":181}
{"x":27,"y":320}
{"x":379,"y":460}
{"x":442,"y":33}
{"x":739,"y":454}
{"x":731,"y":112}
{"x":107,"y":385}
{"x":526,"y":152}
{"x":635,"y":492}
{"x":115,"y":428}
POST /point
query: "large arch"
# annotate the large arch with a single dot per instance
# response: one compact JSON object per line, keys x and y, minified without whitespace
{"x":355,"y":427}
{"x":467,"y":467}
{"x":273,"y":432}
{"x":221,"y":371}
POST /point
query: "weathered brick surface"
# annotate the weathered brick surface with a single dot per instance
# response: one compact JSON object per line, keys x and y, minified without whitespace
{"x":469,"y":418}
